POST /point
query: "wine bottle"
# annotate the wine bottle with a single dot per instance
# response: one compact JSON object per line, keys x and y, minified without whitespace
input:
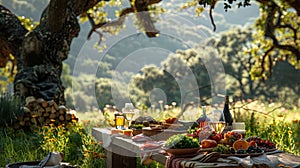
{"x":203,"y":119}
{"x":227,"y":117}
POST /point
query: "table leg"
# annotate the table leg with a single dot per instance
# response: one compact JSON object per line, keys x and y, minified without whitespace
{"x":117,"y":157}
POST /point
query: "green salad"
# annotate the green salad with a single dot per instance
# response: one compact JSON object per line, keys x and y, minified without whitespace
{"x":180,"y":141}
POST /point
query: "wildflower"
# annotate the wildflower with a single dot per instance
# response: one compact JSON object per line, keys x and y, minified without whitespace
{"x":60,"y":126}
{"x":290,"y":132}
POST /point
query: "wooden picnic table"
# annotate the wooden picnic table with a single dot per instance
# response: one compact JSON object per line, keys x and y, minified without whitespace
{"x":122,"y":152}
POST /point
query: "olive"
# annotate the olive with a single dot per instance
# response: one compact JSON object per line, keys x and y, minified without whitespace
{"x":258,"y":150}
{"x":240,"y":151}
{"x":232,"y":151}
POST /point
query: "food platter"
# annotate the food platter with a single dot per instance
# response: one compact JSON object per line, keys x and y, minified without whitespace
{"x":243,"y":155}
{"x":187,"y":151}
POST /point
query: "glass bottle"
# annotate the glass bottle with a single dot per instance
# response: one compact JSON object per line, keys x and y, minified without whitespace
{"x":226,"y":116}
{"x":203,"y":119}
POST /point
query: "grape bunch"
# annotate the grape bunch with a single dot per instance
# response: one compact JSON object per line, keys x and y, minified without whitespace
{"x":223,"y":149}
{"x":261,"y":142}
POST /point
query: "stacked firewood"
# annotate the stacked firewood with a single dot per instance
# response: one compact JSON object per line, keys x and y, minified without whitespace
{"x":41,"y":112}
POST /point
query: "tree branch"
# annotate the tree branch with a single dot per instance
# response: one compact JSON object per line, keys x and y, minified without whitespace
{"x":271,"y":26}
{"x":263,"y":61}
{"x":115,"y":23}
{"x":81,"y":6}
{"x":12,"y":34}
{"x":141,"y":7}
{"x":57,"y":15}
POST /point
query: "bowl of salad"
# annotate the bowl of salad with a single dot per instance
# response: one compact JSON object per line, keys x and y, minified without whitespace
{"x":180,"y":144}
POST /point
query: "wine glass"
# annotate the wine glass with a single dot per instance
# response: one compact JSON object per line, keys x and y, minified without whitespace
{"x":216,"y":123}
{"x":217,"y":126}
{"x":129,"y":112}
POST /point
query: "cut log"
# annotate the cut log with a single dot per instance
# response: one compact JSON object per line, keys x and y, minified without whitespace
{"x":68,"y":117}
{"x":46,"y":114}
{"x":40,"y":100}
{"x":29,"y":100}
{"x":34,"y":115}
{"x":26,"y":110}
{"x":52,"y":116}
{"x":55,"y":106}
{"x":53,"y":110}
{"x":44,"y":104}
{"x":33,"y":121}
{"x":61,"y":118}
{"x":39,"y":113}
{"x":51,"y":103}
{"x":48,"y":109}
{"x":62,"y":109}
{"x":42,"y":110}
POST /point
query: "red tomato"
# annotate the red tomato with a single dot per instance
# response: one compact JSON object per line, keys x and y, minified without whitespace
{"x":215,"y":136}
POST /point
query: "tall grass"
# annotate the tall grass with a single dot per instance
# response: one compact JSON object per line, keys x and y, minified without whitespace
{"x":273,"y":122}
{"x":18,"y":146}
{"x":10,"y":108}
{"x":79,"y":148}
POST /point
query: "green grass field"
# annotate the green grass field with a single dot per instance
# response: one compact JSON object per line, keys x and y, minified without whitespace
{"x":281,"y":126}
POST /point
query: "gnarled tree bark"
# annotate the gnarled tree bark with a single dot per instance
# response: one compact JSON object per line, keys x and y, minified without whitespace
{"x":39,"y":53}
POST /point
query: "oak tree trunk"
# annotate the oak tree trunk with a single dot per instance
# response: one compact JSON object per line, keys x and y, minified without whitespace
{"x":39,"y":54}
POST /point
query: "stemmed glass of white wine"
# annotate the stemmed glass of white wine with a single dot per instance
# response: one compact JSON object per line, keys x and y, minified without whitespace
{"x":215,"y":124}
{"x":129,"y":112}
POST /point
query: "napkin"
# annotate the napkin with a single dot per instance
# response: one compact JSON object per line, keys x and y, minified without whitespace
{"x":148,"y":149}
{"x":266,"y":160}
{"x":52,"y":160}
